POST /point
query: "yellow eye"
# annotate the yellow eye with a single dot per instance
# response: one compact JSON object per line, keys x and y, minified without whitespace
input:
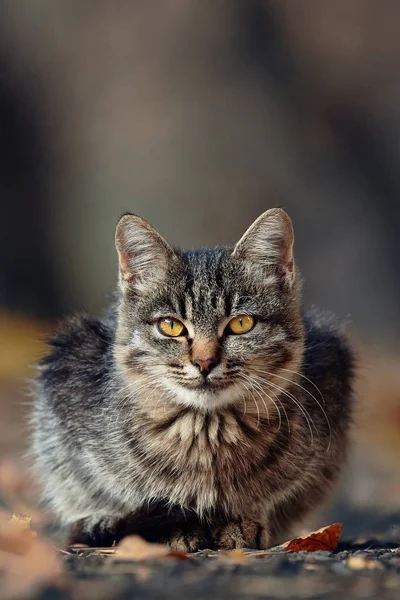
{"x":171,"y":327}
{"x":241,"y":324}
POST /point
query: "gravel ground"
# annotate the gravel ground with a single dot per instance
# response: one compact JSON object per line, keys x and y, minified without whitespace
{"x":370,"y":570}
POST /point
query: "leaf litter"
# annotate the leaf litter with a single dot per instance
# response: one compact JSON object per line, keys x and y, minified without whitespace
{"x":27,"y":563}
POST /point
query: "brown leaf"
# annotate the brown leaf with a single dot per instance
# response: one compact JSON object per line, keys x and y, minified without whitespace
{"x":134,"y":547}
{"x":22,"y":522}
{"x":237,"y":557}
{"x":326,"y":538}
{"x":176,"y":554}
{"x":26,"y":562}
{"x":13,"y":537}
{"x":29,"y":571}
{"x":359,"y":563}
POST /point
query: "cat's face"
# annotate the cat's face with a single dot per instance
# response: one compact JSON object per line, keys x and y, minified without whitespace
{"x":206,"y":326}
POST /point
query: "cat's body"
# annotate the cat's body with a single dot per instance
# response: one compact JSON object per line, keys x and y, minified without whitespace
{"x":127,"y":429}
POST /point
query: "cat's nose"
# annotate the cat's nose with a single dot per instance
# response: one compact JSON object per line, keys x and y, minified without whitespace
{"x":205,"y":365}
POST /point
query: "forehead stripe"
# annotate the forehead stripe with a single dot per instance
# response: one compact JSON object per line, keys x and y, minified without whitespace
{"x":182,"y":306}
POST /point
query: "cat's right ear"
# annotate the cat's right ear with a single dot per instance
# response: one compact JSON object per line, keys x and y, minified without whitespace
{"x":143,"y":254}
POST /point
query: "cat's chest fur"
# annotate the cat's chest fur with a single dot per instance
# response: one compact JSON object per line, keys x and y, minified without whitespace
{"x":205,"y":460}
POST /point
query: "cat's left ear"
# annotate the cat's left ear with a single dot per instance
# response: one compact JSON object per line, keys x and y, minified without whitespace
{"x":268,"y":243}
{"x":144,"y":255}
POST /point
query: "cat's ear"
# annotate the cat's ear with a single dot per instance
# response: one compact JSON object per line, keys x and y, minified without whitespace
{"x":269,"y":243}
{"x":143,"y":254}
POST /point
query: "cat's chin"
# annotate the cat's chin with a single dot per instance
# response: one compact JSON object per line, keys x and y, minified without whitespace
{"x":206,"y":397}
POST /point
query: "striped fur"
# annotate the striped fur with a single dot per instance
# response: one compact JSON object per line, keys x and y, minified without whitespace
{"x":129,"y":438}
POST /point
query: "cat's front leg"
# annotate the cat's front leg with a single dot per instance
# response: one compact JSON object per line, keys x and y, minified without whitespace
{"x":189,"y":539}
{"x":96,"y":531}
{"x":241,"y":532}
{"x":180,"y":535}
{"x":181,"y":530}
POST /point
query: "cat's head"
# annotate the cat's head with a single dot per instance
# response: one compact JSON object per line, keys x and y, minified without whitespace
{"x":208,"y":326}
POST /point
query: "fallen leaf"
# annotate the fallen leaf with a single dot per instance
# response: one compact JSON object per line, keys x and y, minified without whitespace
{"x":13,"y":537}
{"x":23,"y":522}
{"x":26,"y":562}
{"x":236,"y":557}
{"x":326,"y":538}
{"x":134,"y":547}
{"x":359,"y":563}
{"x":176,"y":554}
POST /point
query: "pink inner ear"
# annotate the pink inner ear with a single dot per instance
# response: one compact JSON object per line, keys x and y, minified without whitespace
{"x":126,"y":275}
{"x":286,"y":269}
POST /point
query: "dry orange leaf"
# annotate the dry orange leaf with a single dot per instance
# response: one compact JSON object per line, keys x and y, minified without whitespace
{"x":358,"y":563}
{"x":176,"y":554}
{"x":22,"y":522}
{"x":15,"y":537}
{"x":326,"y":538}
{"x":236,"y":557}
{"x":30,"y":571}
{"x":26,"y":562}
{"x":133,"y":547}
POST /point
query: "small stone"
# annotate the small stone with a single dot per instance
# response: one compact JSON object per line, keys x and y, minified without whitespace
{"x":339,"y":568}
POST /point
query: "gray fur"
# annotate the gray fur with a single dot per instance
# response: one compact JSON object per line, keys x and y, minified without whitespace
{"x":127,"y":429}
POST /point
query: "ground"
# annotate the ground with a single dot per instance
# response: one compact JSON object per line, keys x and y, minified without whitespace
{"x":354,"y":571}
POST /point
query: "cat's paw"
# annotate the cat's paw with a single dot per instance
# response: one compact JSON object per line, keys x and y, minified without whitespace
{"x":93,"y":532}
{"x":187,"y":541}
{"x":241,"y":533}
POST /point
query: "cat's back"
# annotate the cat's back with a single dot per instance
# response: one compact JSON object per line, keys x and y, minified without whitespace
{"x":77,"y":365}
{"x":329,"y":361}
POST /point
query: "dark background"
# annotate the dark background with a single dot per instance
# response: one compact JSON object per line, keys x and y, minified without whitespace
{"x":199,"y":116}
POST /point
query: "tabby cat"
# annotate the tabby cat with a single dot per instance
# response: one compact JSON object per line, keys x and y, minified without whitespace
{"x":204,"y":408}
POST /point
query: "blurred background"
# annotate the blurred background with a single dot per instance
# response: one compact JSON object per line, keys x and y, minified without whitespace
{"x":199,"y":116}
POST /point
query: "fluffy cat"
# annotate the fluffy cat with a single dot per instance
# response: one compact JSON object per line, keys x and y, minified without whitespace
{"x":204,"y":408}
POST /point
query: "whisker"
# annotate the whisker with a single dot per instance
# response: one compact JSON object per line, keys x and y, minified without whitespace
{"x":277,"y":408}
{"x":307,"y":392}
{"x":307,"y":379}
{"x":247,"y":379}
{"x":274,"y":403}
{"x":243,"y":395}
{"x":129,"y":394}
{"x":258,"y":412}
{"x":257,"y":407}
{"x":284,"y":410}
{"x":305,"y":413}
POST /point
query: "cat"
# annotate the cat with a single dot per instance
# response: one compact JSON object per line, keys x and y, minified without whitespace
{"x":205,"y":408}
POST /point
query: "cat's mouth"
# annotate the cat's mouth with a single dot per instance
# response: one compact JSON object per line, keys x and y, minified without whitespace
{"x":207,"y":385}
{"x":208,"y":393}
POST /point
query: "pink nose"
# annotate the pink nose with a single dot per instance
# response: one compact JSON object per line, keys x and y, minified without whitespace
{"x":204,"y":364}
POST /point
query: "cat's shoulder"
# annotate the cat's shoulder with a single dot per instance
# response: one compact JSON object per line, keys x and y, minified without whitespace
{"x":81,"y":341}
